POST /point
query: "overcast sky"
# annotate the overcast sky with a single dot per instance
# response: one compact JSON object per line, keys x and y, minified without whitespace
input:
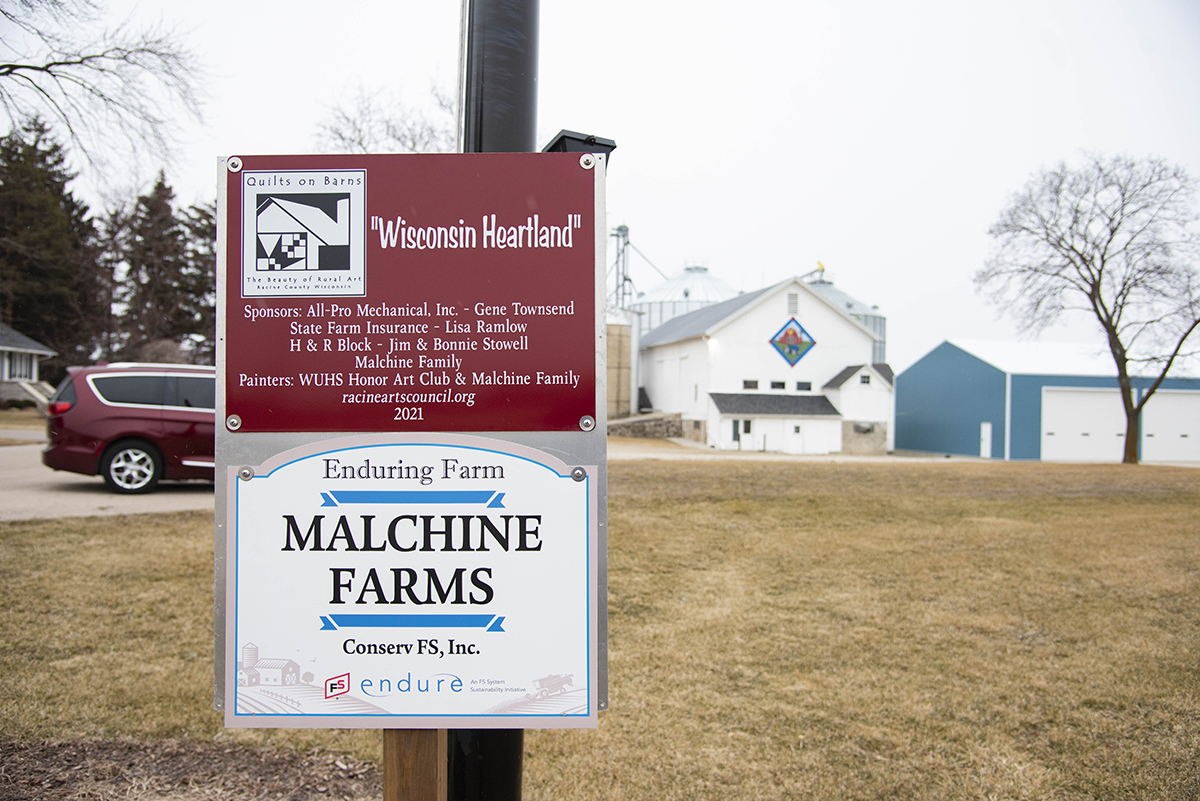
{"x":881,"y":138}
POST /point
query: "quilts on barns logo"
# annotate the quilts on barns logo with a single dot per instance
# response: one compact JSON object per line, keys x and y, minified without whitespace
{"x":303,"y":233}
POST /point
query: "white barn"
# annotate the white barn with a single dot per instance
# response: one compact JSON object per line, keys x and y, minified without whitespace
{"x":787,"y":368}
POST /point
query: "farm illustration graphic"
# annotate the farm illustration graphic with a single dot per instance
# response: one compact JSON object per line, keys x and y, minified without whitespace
{"x":268,"y":686}
{"x":272,"y":686}
{"x":554,"y":694}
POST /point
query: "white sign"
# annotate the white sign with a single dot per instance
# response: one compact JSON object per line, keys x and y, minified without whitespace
{"x":412,"y":581}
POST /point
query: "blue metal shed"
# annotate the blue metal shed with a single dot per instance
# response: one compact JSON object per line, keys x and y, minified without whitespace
{"x":1035,"y":400}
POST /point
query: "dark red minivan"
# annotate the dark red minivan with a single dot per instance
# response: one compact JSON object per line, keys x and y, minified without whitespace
{"x":134,"y":424}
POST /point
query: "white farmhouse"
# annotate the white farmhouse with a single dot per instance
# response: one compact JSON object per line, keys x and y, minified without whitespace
{"x":19,"y":357}
{"x":796,"y":367}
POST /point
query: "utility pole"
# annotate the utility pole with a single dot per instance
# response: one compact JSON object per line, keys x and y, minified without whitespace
{"x":499,"y":115}
{"x":499,"y":89}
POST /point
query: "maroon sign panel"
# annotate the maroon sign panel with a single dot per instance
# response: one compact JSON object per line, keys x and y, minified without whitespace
{"x":411,"y":293}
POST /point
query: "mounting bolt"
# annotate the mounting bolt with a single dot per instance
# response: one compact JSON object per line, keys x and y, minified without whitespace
{"x":587,"y":422}
{"x":579,"y":474}
{"x":233,"y":422}
{"x":245,"y":473}
{"x":587,"y":161}
{"x":234,"y":164}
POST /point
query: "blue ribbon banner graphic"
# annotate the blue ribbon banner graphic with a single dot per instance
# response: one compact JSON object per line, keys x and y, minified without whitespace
{"x":490,"y":498}
{"x":488,"y":622}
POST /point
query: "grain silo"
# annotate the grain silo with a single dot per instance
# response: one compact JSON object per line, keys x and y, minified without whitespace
{"x":692,"y":289}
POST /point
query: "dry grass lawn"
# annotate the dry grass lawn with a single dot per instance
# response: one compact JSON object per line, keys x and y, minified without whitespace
{"x":23,"y":419}
{"x":777,"y":630}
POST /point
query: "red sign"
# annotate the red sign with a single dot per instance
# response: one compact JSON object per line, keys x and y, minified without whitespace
{"x":410,"y":293}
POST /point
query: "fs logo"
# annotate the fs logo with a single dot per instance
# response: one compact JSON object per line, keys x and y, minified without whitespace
{"x":338,"y":685}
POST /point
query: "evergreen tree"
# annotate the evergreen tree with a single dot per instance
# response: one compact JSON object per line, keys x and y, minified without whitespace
{"x":52,"y":287}
{"x":200,"y":280}
{"x":164,"y":261}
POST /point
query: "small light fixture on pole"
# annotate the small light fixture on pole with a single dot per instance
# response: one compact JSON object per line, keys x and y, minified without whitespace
{"x":575,"y":142}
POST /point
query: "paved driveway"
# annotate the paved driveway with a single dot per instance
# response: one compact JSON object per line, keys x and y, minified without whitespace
{"x":29,"y":489}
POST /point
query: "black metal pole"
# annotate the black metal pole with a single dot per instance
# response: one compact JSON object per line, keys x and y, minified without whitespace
{"x":484,"y":764}
{"x":499,"y":116}
{"x":500,"y":86}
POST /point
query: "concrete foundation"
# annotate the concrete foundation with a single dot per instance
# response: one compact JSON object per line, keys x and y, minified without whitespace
{"x":647,"y":426}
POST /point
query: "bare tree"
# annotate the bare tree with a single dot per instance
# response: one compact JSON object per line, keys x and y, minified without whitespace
{"x":374,"y":122}
{"x":1115,"y":239}
{"x":103,"y":87}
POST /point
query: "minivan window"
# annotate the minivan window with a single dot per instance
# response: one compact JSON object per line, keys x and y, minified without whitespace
{"x":196,"y":392}
{"x":65,"y":392}
{"x":138,"y":389}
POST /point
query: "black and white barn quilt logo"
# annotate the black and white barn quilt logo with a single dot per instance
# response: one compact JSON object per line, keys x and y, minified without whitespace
{"x":303,"y":233}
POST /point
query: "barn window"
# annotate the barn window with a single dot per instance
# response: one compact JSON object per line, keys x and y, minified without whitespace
{"x":745,"y":426}
{"x":864,"y":379}
{"x":803,"y":386}
{"x":748,"y":384}
{"x":778,"y":385}
{"x":796,"y":429}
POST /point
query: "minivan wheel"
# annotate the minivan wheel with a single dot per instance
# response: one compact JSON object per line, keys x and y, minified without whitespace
{"x":131,"y":466}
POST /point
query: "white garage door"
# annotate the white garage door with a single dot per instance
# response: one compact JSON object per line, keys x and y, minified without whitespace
{"x":1082,"y":425}
{"x":1171,"y":427}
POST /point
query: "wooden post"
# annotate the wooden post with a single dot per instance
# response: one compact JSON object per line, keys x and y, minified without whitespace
{"x":414,"y":765}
